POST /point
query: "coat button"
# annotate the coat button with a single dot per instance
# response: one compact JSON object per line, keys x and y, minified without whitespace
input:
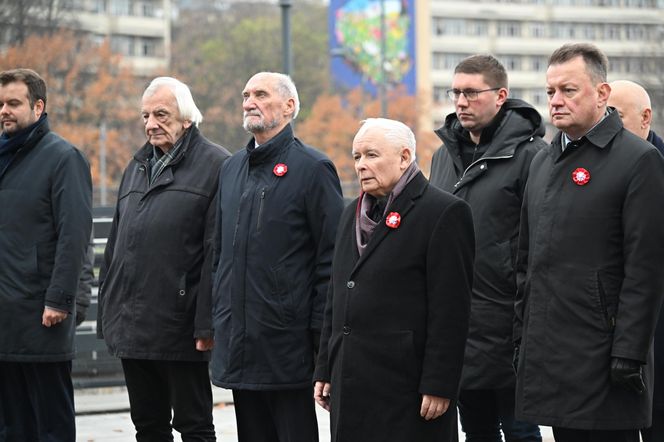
{"x":350,"y":284}
{"x":346,"y":330}
{"x":181,"y":292}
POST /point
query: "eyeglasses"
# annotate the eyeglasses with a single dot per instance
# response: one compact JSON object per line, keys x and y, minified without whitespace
{"x":470,"y":94}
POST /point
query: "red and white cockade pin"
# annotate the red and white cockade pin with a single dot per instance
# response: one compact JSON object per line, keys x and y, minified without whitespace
{"x":580,"y":176}
{"x":280,"y":169}
{"x":393,"y":220}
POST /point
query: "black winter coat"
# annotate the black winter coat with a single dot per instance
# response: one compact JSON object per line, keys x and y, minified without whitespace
{"x":276,"y":236}
{"x":590,"y":279}
{"x":155,"y":284}
{"x":45,"y":222}
{"x":396,"y":319}
{"x":493,"y":186}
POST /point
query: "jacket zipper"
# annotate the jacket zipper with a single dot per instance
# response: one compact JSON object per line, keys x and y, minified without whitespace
{"x":260,"y":210}
{"x":477,"y":161}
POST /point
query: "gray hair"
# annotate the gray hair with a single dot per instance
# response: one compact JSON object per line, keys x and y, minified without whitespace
{"x":397,"y":133}
{"x":286,"y":89}
{"x":186,"y":106}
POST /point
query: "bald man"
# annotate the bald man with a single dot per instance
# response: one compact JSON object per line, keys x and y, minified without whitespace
{"x":633,"y":104}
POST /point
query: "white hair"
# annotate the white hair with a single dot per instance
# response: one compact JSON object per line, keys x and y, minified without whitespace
{"x":286,"y":89}
{"x":397,"y":133}
{"x":186,"y":106}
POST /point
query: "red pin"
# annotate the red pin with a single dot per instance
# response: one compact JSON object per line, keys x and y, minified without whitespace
{"x":280,"y":169}
{"x":393,"y":220}
{"x":580,"y":176}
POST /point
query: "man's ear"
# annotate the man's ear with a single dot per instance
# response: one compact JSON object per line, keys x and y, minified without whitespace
{"x":603,"y":93}
{"x":646,"y":118}
{"x":502,"y":96}
{"x":406,"y":157}
{"x":186,"y":124}
{"x":289,"y":108}
{"x":39,"y":107}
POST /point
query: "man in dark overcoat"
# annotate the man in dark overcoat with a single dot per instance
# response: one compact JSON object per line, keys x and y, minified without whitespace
{"x":397,"y":311}
{"x":632,"y":102}
{"x":45,"y":223}
{"x":155,"y":295}
{"x":489,"y":143}
{"x":279,"y":206}
{"x":590,"y":253}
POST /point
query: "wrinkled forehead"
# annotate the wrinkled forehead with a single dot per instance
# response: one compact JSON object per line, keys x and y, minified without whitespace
{"x":260,"y":82}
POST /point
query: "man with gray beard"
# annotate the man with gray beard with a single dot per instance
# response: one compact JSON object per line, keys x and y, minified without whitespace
{"x":279,"y":204}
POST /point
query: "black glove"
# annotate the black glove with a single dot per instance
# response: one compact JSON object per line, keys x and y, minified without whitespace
{"x":515,"y":357}
{"x":627,"y":373}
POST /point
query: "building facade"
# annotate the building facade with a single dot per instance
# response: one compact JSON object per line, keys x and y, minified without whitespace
{"x":523,"y":33}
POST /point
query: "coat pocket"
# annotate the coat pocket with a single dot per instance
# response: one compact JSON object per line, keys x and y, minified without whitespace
{"x":608,"y":287}
{"x":282,"y":293}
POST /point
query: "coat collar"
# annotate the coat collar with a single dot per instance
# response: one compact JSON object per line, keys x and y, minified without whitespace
{"x":517,"y":121}
{"x":270,"y":150}
{"x":191,"y":135}
{"x":599,"y":136}
{"x":402,"y":205}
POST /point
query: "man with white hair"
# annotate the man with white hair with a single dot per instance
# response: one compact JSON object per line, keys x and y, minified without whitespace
{"x":155,"y":282}
{"x":396,"y":317}
{"x":632,"y":102}
{"x":279,"y":203}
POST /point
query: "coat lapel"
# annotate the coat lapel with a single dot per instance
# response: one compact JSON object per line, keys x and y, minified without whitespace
{"x":402,"y":205}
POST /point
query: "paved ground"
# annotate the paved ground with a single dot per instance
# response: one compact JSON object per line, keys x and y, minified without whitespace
{"x":95,"y":426}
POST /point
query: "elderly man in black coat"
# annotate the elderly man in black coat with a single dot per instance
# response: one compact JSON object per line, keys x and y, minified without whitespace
{"x":155,"y":293}
{"x":397,"y":311}
{"x":589,"y":267}
{"x":632,"y":102}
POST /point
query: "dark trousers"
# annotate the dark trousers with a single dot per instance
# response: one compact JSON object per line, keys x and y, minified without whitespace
{"x":157,"y":387}
{"x":572,"y":435}
{"x":36,"y":402}
{"x":484,"y":413}
{"x":656,"y":432}
{"x":275,"y":416}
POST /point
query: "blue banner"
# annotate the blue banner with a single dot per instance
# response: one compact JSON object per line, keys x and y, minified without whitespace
{"x":355,"y":43}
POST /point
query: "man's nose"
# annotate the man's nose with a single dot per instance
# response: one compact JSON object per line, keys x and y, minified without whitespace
{"x":151,"y":122}
{"x":4,"y":109}
{"x":462,"y":101}
{"x":556,"y":99}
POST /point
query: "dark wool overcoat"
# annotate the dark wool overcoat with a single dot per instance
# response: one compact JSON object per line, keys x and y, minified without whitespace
{"x":590,"y":278}
{"x":45,"y":223}
{"x":493,"y":186}
{"x":156,"y":281}
{"x":396,"y":319}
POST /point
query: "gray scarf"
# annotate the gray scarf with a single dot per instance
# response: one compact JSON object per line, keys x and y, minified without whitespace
{"x":364,"y":225}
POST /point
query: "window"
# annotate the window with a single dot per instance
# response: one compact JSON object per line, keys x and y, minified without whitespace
{"x":612,"y":31}
{"x":120,"y":7}
{"x":538,"y":63}
{"x":439,"y":94}
{"x":509,"y":29}
{"x":478,"y":28}
{"x":148,"y":47}
{"x":446,"y":61}
{"x":449,"y":26}
{"x":537,"y":29}
{"x":511,"y":62}
{"x":98,"y":6}
{"x":539,"y":97}
{"x":122,"y":44}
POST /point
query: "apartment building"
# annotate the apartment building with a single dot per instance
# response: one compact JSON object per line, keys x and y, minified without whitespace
{"x":523,"y":33}
{"x":140,"y":30}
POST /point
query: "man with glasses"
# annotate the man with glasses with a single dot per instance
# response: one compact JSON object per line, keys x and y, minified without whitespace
{"x":489,"y":143}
